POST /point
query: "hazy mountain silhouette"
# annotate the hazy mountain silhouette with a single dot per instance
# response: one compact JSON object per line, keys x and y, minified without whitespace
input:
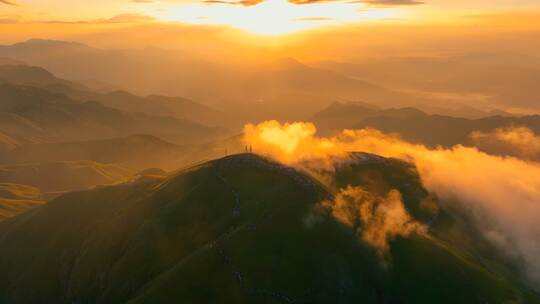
{"x":503,"y":79}
{"x":414,"y":125}
{"x":37,"y":115}
{"x":177,"y":107}
{"x":345,"y":115}
{"x":240,"y":221}
{"x":288,"y":89}
{"x":153,"y":104}
{"x":136,"y":151}
{"x":63,"y":176}
{"x":436,"y":130}
{"x":285,"y":87}
{"x":342,"y":115}
{"x":30,"y":75}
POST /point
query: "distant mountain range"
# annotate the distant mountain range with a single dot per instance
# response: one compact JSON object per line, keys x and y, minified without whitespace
{"x":64,"y":175}
{"x":284,"y":89}
{"x":499,"y":79}
{"x":58,"y":135}
{"x":45,"y":119}
{"x":414,"y":125}
{"x":177,"y":107}
{"x":135,"y":151}
{"x":124,"y":178}
{"x":32,"y":114}
{"x":239,"y":230}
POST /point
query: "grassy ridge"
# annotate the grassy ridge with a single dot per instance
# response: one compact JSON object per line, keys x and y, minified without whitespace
{"x":234,"y":230}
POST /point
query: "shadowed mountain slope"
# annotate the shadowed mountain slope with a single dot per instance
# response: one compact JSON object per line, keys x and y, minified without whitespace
{"x":30,"y":75}
{"x":177,"y":107}
{"x":135,"y":151}
{"x":37,"y":115}
{"x":233,"y":230}
{"x":15,"y":199}
{"x":63,"y":176}
{"x":436,"y":130}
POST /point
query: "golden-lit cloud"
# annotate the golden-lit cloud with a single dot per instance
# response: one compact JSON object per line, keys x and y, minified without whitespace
{"x":377,"y":220}
{"x":516,"y":141}
{"x":292,"y":143}
{"x":502,"y":194}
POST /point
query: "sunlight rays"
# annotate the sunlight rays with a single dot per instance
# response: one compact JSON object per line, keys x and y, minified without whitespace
{"x":274,"y":17}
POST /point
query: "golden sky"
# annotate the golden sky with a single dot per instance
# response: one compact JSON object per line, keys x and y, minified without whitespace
{"x":267,"y":17}
{"x":243,"y":30}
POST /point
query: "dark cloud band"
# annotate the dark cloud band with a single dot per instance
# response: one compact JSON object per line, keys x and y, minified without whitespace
{"x":370,"y":2}
{"x":241,"y":2}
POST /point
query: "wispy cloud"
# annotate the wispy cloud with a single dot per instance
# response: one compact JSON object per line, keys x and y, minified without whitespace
{"x":391,"y":2}
{"x":121,"y":18}
{"x":516,"y":141}
{"x":8,"y":2}
{"x":240,"y":2}
{"x":376,"y":219}
{"x":369,"y":2}
{"x":126,"y":18}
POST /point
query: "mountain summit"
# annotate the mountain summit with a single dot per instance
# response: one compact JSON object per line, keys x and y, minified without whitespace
{"x":241,"y":229}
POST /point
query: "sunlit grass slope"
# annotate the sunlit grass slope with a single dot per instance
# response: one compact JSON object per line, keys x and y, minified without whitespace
{"x":62,"y":176}
{"x":15,"y":199}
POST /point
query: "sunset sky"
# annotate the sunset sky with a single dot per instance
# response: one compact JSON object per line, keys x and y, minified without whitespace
{"x":270,"y":17}
{"x":304,"y":29}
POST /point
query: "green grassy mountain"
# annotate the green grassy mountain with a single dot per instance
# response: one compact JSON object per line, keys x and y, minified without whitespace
{"x":233,"y":230}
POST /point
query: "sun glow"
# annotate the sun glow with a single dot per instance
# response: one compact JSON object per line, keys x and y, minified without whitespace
{"x":275,"y":17}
